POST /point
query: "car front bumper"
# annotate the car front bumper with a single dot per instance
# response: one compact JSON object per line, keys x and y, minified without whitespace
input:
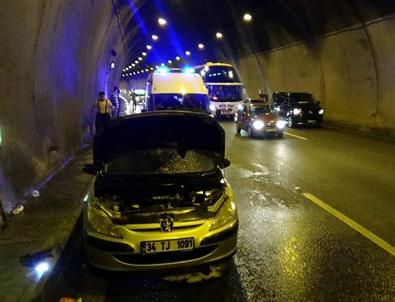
{"x":308,"y":120}
{"x":268,"y":131}
{"x":124,"y":255}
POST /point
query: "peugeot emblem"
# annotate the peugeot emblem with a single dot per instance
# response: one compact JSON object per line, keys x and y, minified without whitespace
{"x":166,"y":223}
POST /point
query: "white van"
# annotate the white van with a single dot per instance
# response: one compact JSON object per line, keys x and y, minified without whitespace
{"x":176,"y":89}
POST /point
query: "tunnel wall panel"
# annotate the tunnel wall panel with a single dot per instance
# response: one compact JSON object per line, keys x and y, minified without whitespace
{"x":55,"y":56}
{"x":350,"y":71}
{"x":383,"y":37}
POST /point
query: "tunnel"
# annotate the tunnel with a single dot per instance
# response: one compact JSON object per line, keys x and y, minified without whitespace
{"x":56,"y":56}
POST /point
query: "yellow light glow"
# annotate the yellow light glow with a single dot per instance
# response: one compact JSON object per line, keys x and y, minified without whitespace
{"x":247,"y":17}
{"x":162,"y":21}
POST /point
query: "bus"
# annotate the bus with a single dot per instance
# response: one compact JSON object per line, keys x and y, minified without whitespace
{"x":224,"y":87}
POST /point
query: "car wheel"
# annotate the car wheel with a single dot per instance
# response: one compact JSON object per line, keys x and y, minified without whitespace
{"x":250,"y":132}
{"x":280,"y":134}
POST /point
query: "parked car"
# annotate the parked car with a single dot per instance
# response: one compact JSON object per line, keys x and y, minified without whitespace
{"x":160,"y":199}
{"x":258,"y":118}
{"x":298,"y":108}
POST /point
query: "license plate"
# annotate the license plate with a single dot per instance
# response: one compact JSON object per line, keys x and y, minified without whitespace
{"x":271,"y":130}
{"x":160,"y":246}
{"x":311,"y":121}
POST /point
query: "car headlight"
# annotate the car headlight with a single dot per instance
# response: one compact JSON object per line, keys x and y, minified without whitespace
{"x":321,"y":111}
{"x":296,"y":111}
{"x":226,"y":214}
{"x":212,"y":107}
{"x":102,"y":224}
{"x":280,"y":124}
{"x":239,"y":106}
{"x":258,"y":125}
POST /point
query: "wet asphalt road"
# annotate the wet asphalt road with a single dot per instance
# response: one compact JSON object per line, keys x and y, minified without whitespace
{"x":289,"y":248}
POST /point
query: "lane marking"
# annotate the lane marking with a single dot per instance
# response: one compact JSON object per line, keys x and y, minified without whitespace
{"x":297,"y":136}
{"x":351,"y":223}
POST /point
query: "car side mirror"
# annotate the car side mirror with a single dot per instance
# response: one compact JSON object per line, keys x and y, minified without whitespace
{"x":225,"y":163}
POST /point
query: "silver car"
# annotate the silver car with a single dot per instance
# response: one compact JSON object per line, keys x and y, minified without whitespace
{"x":160,"y":200}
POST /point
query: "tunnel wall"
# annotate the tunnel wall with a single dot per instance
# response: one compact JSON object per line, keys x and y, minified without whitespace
{"x":55,"y":57}
{"x":351,"y":71}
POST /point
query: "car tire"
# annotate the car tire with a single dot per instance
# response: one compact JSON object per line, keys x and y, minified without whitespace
{"x":250,"y":132}
{"x":280,"y":134}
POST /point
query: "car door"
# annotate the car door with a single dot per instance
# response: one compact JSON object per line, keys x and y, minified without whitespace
{"x":284,"y":107}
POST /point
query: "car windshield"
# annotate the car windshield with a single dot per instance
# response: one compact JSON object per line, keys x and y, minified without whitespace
{"x":304,"y":98}
{"x":161,"y":161}
{"x":222,"y":92}
{"x":178,"y":101}
{"x":220,"y":74}
{"x":262,"y":110}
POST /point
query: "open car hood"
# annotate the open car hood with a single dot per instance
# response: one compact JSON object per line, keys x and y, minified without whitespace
{"x":165,"y":129}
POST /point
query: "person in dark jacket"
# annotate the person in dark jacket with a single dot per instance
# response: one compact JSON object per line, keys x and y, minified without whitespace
{"x":114,"y":98}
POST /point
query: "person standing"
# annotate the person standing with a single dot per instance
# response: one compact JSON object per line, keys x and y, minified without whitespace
{"x":114,"y":98}
{"x":103,"y":116}
{"x":104,"y":109}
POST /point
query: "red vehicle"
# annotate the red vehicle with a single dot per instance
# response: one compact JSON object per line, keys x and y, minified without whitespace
{"x":258,"y":118}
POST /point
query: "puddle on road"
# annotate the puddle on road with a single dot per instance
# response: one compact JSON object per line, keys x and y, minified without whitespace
{"x":215,"y":272}
{"x":239,"y":171}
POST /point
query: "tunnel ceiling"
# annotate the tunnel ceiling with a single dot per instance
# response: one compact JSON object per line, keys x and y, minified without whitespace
{"x":275,"y":23}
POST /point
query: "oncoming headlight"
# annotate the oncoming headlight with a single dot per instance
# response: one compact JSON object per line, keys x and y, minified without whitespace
{"x":212,"y":107}
{"x":296,"y":111}
{"x":227,"y":213}
{"x":258,"y":125}
{"x":321,"y":111}
{"x":239,"y":106}
{"x":101,"y":224}
{"x":280,"y":124}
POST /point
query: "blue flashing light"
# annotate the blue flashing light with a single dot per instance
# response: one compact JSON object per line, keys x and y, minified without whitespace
{"x":41,"y":268}
{"x":163,"y":70}
{"x":188,"y":70}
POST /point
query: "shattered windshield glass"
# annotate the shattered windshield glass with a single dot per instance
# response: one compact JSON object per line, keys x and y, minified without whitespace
{"x":161,"y":161}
